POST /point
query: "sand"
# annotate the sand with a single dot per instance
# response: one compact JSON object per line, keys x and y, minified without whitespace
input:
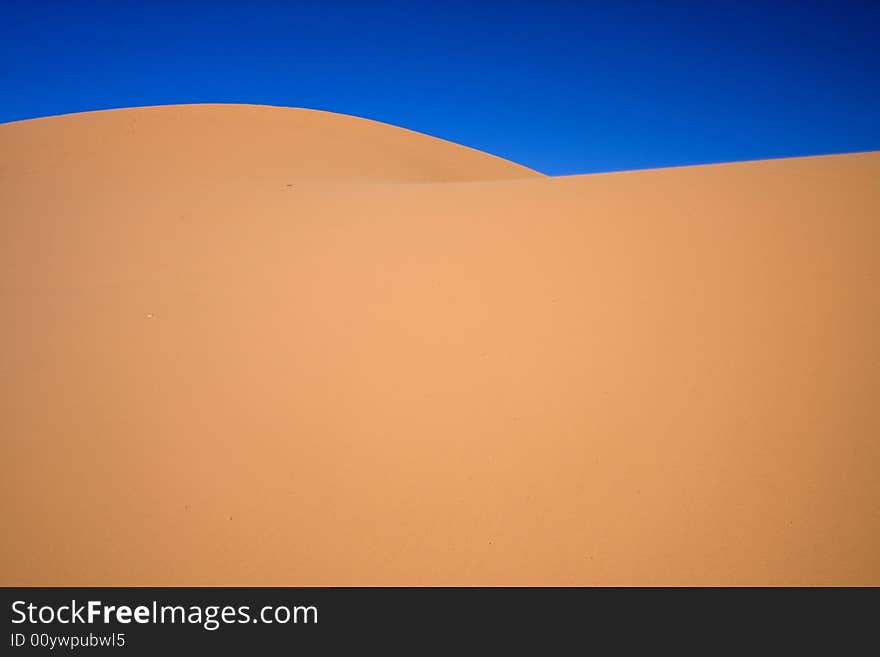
{"x":245,"y":345}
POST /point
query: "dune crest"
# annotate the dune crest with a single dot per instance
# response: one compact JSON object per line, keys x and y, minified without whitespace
{"x":251,"y":141}
{"x":239,"y":348}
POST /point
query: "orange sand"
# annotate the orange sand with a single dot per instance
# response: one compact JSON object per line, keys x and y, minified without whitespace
{"x":245,"y":345}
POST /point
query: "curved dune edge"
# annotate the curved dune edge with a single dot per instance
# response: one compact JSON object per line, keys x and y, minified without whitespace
{"x":246,"y":371}
{"x":252,"y":141}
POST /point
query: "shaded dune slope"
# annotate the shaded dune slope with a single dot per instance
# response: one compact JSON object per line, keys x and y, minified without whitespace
{"x":245,"y":141}
{"x":230,"y":365}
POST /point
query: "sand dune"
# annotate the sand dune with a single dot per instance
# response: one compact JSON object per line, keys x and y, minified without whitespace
{"x":262,"y":346}
{"x":228,"y":143}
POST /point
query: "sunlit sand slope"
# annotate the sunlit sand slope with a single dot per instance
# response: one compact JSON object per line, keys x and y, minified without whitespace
{"x":236,"y":366}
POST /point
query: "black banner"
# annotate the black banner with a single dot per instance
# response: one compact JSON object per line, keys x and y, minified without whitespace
{"x":181,"y":620}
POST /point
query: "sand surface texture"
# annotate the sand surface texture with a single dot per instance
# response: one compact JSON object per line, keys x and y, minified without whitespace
{"x":245,"y":345}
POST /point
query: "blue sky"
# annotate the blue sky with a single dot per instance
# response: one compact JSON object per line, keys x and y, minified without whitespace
{"x":562,"y":86}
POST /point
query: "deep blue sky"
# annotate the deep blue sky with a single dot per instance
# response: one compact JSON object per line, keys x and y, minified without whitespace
{"x":564,"y":87}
